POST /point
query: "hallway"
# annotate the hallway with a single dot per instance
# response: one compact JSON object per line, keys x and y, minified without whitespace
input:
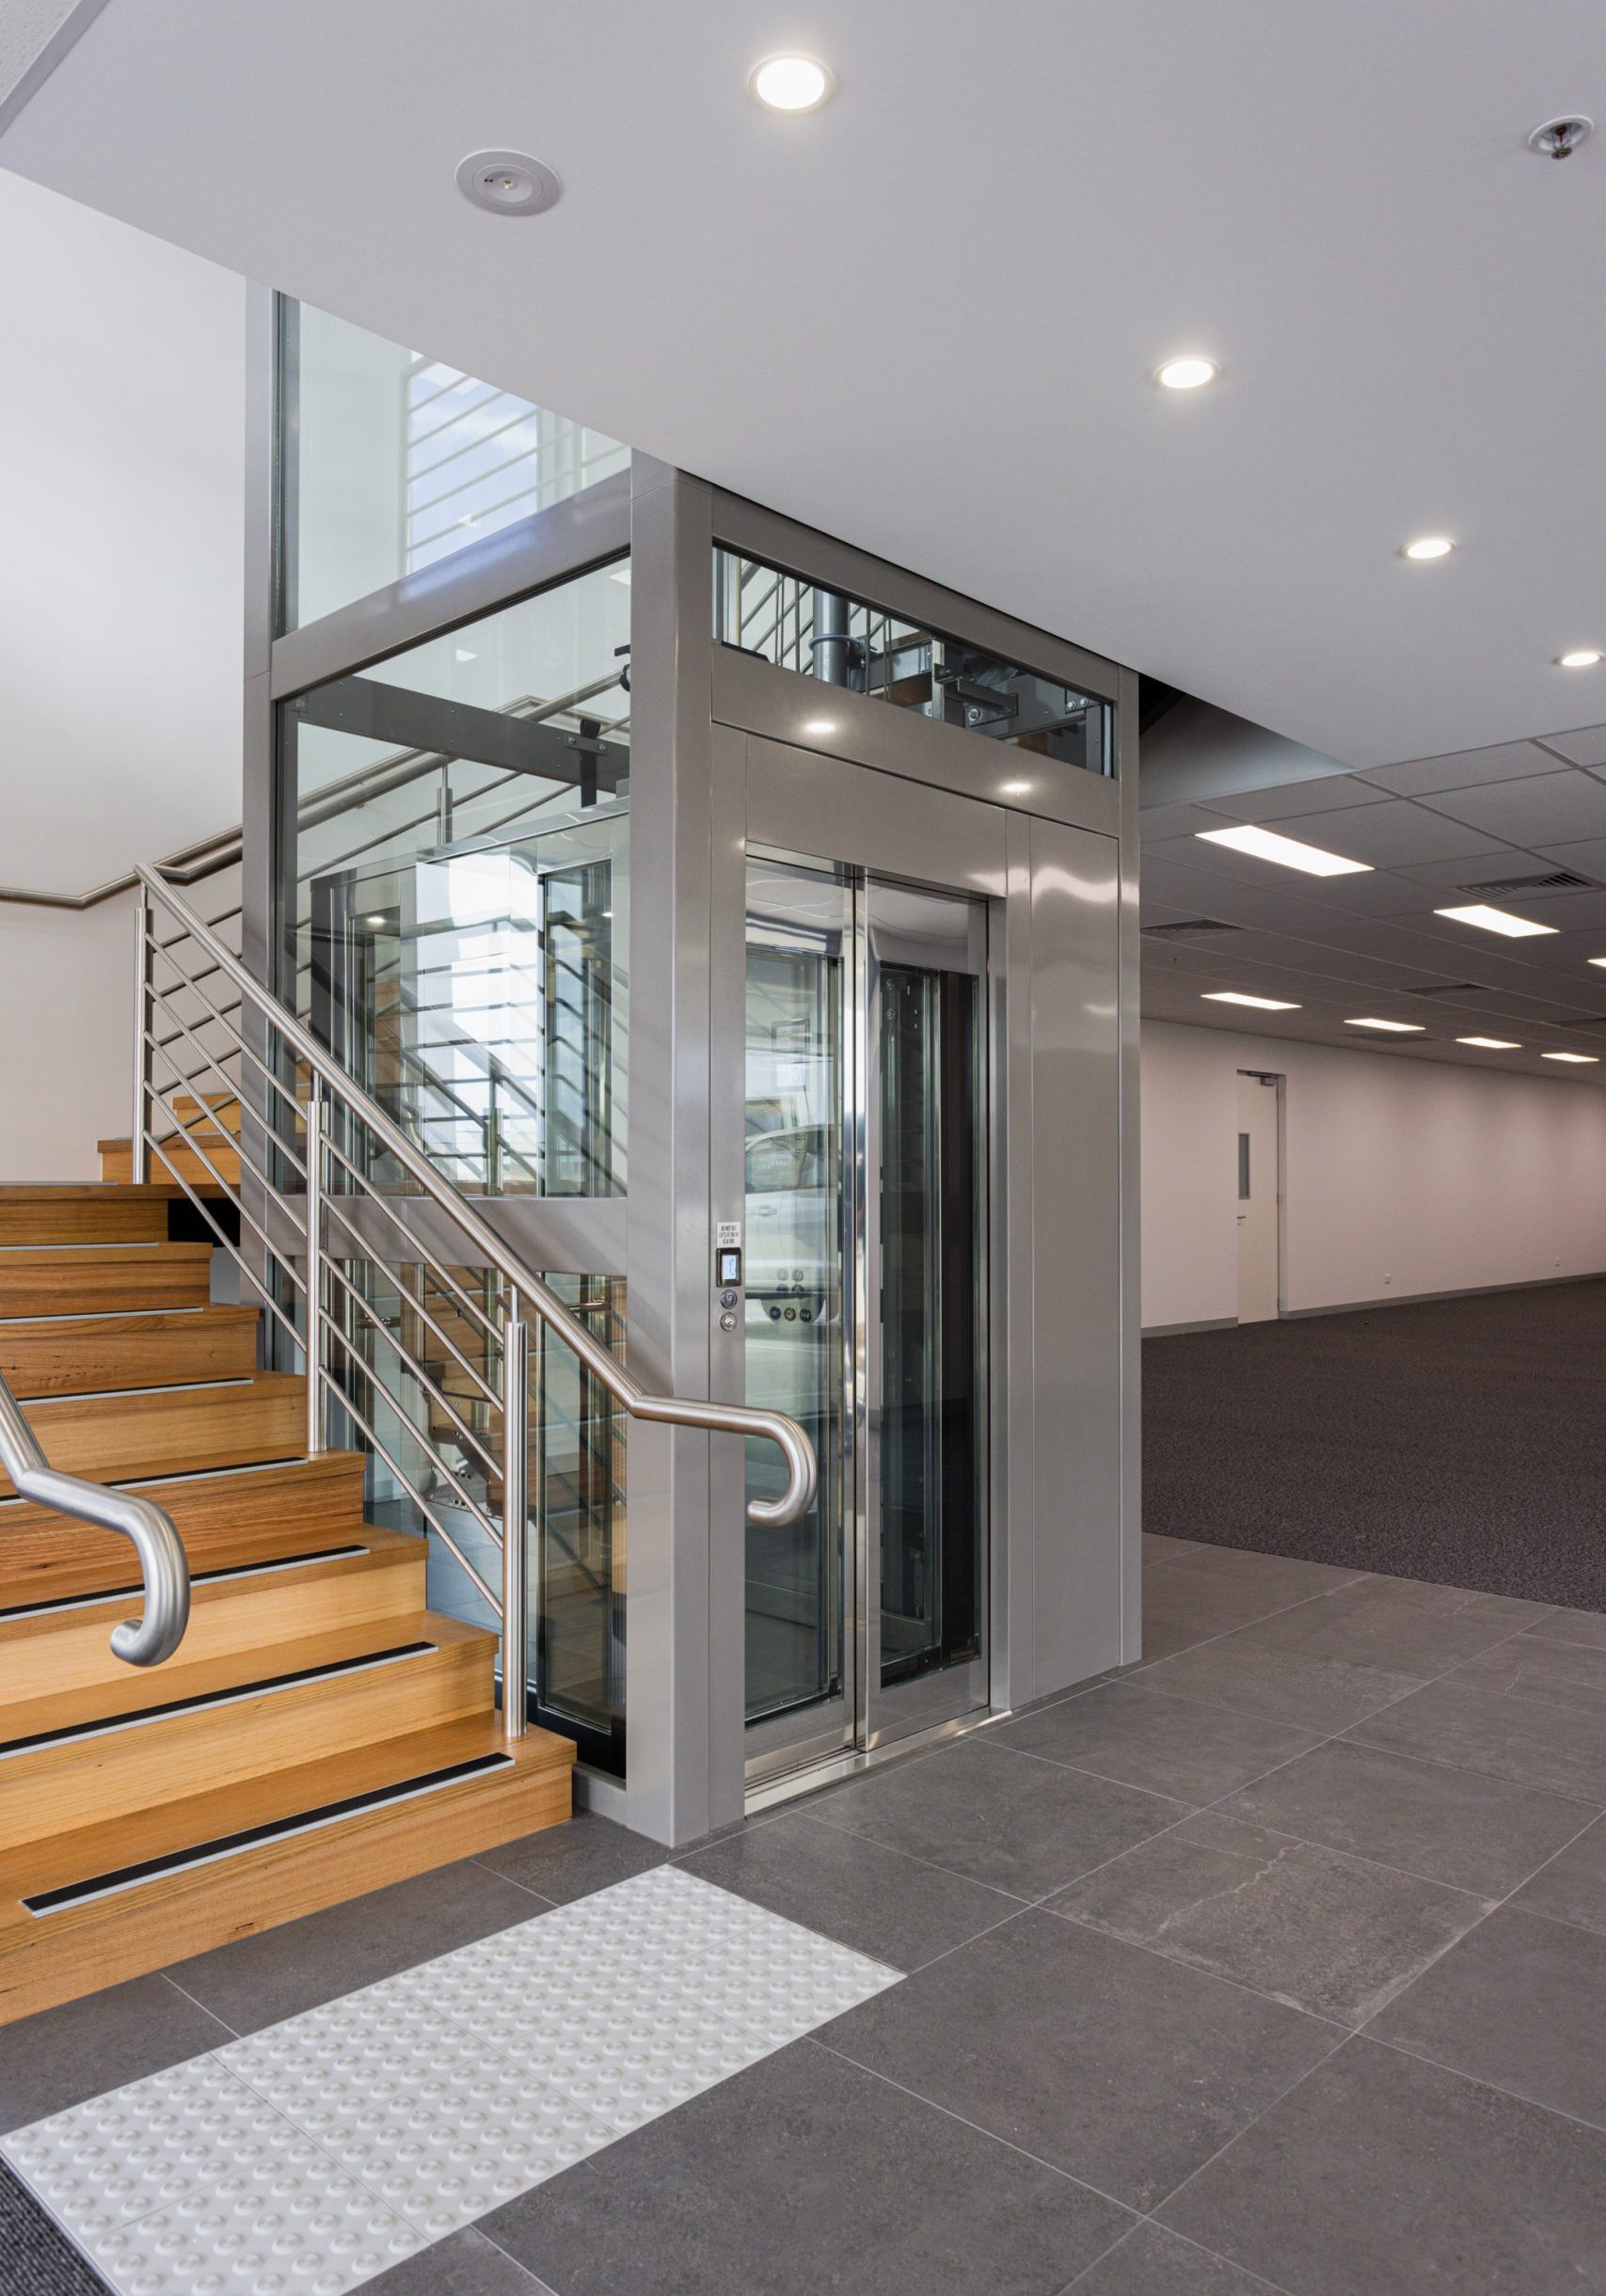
{"x":1457,"y":1439}
{"x":1277,"y":1964}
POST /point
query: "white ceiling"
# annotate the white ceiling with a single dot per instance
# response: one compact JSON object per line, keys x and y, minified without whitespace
{"x":122,"y":550}
{"x":1370,"y":945}
{"x":925,"y":318}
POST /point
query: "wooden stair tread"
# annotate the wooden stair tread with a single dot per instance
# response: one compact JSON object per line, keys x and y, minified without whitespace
{"x":150,"y":1349}
{"x":138,"y":1689}
{"x":216,"y":1423}
{"x":54,"y":1861}
{"x":310,"y":1498}
{"x":113,"y":1579}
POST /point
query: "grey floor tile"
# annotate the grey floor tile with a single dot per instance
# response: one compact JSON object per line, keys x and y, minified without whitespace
{"x":1313,"y":1690}
{"x":1583,"y":1626}
{"x":1136,"y":1732}
{"x":1273,"y":1578}
{"x":1335,"y":1935}
{"x":1152,"y":2261}
{"x":1520,"y":2003}
{"x":279,"y":1973}
{"x":1530,"y":1740}
{"x":877,"y":1900}
{"x":1381,"y":2175}
{"x":1561,"y":1674}
{"x":1007,"y":1819}
{"x":1572,"y":1887}
{"x":802,"y":2175}
{"x":1459,"y":1827}
{"x":1182,"y":1607}
{"x":465,"y":2264}
{"x":1113,"y":2064}
{"x":1399,"y":1625}
{"x":563,"y":1862}
{"x":62,"y":2056}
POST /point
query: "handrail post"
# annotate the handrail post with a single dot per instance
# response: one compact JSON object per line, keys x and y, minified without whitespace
{"x":314,"y":1344}
{"x":515,"y":1518}
{"x":139,"y":1162}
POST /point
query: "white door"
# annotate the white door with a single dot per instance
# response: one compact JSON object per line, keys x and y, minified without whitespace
{"x":1259,"y":1188}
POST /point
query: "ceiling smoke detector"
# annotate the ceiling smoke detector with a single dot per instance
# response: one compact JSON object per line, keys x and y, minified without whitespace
{"x":508,"y":182}
{"x":1558,"y":139}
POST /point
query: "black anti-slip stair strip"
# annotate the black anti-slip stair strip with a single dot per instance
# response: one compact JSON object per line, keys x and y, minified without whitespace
{"x":197,"y":1579}
{"x":251,"y":1837}
{"x":105,"y":1725}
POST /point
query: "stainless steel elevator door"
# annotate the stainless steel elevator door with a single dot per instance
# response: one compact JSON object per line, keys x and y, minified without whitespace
{"x":865,"y":1303}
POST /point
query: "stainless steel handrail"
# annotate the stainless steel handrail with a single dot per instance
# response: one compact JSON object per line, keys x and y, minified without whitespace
{"x":159,"y":1630}
{"x":802,"y":1470}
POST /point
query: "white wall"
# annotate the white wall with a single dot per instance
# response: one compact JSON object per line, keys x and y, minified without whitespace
{"x":66,"y":1037}
{"x":1400,"y":1177}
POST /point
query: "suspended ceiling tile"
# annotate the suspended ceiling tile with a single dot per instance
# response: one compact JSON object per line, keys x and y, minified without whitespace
{"x":1543,"y":810}
{"x":1420,"y":777}
{"x":1160,"y":822}
{"x":1587,"y":747}
{"x":1339,"y":791}
{"x":1392,"y":832}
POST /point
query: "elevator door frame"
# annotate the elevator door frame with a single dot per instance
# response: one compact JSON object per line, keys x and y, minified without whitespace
{"x":778,"y":801}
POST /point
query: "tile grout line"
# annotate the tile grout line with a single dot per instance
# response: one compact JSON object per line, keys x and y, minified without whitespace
{"x":1272,"y":2288}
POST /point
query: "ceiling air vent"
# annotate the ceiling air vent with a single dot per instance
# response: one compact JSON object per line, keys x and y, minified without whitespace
{"x":1191,"y":928}
{"x":1552,"y":881}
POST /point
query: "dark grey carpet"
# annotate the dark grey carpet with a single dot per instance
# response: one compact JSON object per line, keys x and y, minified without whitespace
{"x":1461,"y":1440}
{"x":34,"y":2258}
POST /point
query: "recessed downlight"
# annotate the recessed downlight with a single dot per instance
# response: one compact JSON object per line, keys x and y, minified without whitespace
{"x":1260,"y":1003}
{"x":1393,"y":1028}
{"x":1577,"y":1060}
{"x":1580,"y":657}
{"x":1190,"y":372}
{"x":819,"y":725}
{"x":789,"y":84}
{"x":1288,"y":852}
{"x":1489,"y":919}
{"x":1492,"y":1044}
{"x":508,"y":182}
{"x":1428,"y":545}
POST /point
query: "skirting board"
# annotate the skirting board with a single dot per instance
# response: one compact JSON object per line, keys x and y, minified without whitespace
{"x":1385,"y":1298}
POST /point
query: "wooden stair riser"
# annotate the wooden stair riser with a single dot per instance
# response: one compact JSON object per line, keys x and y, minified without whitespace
{"x":53,"y":1652}
{"x":85,"y":1781}
{"x":214,"y":1158}
{"x":63,"y":1956}
{"x":84,"y":1280}
{"x":35,"y":1215}
{"x":73,"y":1357}
{"x":114,"y":1439}
{"x":317,"y":1502}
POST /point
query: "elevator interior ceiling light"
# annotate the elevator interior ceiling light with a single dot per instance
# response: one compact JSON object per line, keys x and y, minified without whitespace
{"x":1265,"y":845}
{"x":789,"y":84}
{"x":1394,"y":1028}
{"x":508,"y":182}
{"x":1190,"y":373}
{"x":1430,"y":545}
{"x":1489,"y":919}
{"x":1236,"y":996}
{"x":1492,"y":1044}
{"x":1578,"y":1060}
{"x":1580,"y":657}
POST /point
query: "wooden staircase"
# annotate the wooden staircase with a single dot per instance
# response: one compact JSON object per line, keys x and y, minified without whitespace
{"x":319,"y":1733}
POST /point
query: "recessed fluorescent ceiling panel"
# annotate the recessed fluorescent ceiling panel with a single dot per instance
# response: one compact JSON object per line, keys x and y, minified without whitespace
{"x":1580,"y":1059}
{"x":1495,"y":921}
{"x":1236,"y":996}
{"x":1395,"y":1028}
{"x":1492,"y":1044}
{"x":1265,"y":845}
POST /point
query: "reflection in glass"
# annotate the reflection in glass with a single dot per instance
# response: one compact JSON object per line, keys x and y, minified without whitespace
{"x":795,"y":1227}
{"x":456,"y":897}
{"x":396,"y":460}
{"x":927,"y":961}
{"x":823,"y":634}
